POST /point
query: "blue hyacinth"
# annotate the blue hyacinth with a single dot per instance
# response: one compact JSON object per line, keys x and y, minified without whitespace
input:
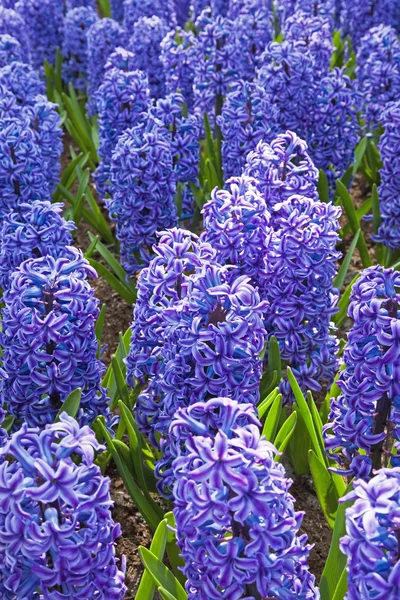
{"x":10,"y":50}
{"x":178,"y":51}
{"x":358,"y":16}
{"x":136,"y":9}
{"x":236,"y":526}
{"x":315,"y":32}
{"x":365,"y":418}
{"x":13,"y":24}
{"x":49,"y":342}
{"x":20,"y":79}
{"x":55,"y":503}
{"x":74,"y":48}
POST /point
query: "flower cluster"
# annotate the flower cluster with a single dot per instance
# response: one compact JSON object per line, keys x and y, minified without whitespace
{"x":10,"y":50}
{"x":365,"y":419}
{"x":250,"y":548}
{"x":378,"y":72}
{"x":117,"y":10}
{"x":389,"y":189}
{"x":178,"y":51}
{"x":56,"y":529}
{"x":323,"y":8}
{"x":143,"y":185}
{"x":74,"y":48}
{"x":145,"y":43}
{"x":215,"y":63}
{"x":20,"y":79}
{"x":43,"y":21}
{"x":103,"y":37}
{"x":71,"y":4}
{"x":22,"y":178}
{"x":358,"y":16}
{"x":372,"y":541}
{"x":13,"y":24}
{"x":121,"y":99}
{"x":334,"y":132}
{"x":182,"y":9}
{"x":247,"y":117}
{"x":136,"y":9}
{"x":283,"y":168}
{"x":49,"y":340}
{"x":37,"y":229}
{"x":287,"y":73}
{"x":316,"y":33}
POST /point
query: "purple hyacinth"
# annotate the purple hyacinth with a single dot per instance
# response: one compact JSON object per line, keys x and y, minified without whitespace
{"x":145,"y":42}
{"x":372,"y":541}
{"x":44,"y":20}
{"x":20,"y":79}
{"x":316,"y":33}
{"x":136,"y":9}
{"x":143,"y":185}
{"x":365,"y":419}
{"x":358,"y":16}
{"x":72,"y":4}
{"x":287,"y":73}
{"x":316,"y":8}
{"x":252,"y":31}
{"x":247,"y":117}
{"x":22,"y":170}
{"x":334,"y":135}
{"x":121,"y":99}
{"x":378,"y":72}
{"x":250,"y":548}
{"x":103,"y":37}
{"x":74,"y":48}
{"x":13,"y":24}
{"x":178,"y":51}
{"x":49,"y":340}
{"x":57,"y":534}
{"x":215,"y":64}
{"x":117,"y":10}
{"x":10,"y":50}
{"x":389,"y":188}
{"x":182,"y":9}
{"x":37,"y":229}
{"x":121,"y":59}
{"x":283,"y":168}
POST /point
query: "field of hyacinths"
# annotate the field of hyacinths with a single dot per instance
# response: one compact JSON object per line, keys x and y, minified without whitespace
{"x":200,"y":299}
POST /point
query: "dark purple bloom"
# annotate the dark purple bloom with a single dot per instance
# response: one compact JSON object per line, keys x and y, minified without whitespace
{"x":358,"y":16}
{"x":235,"y":520}
{"x":20,"y":79}
{"x":13,"y":24}
{"x":178,"y":51}
{"x":49,"y":342}
{"x":74,"y":48}
{"x":136,"y":9}
{"x":117,"y":10}
{"x":37,"y":229}
{"x":10,"y":50}
{"x":71,"y":4}
{"x":372,"y":541}
{"x":316,"y":33}
{"x":365,"y":418}
{"x":182,"y":8}
{"x":57,"y":535}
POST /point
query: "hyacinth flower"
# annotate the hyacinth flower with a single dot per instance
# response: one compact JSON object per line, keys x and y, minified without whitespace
{"x":121,"y":59}
{"x":178,"y":51}
{"x":121,"y":100}
{"x":136,"y":9}
{"x":364,"y":421}
{"x":44,"y":21}
{"x":21,"y":79}
{"x":10,"y":50}
{"x":378,"y":72}
{"x":74,"y":48}
{"x":389,"y":188}
{"x":145,"y":42}
{"x":334,"y":134}
{"x":250,"y":548}
{"x":117,"y":10}
{"x":316,"y":33}
{"x":287,"y":73}
{"x":57,"y":534}
{"x":72,"y":4}
{"x":185,"y":145}
{"x":182,"y":9}
{"x":248,"y":117}
{"x":215,"y":63}
{"x":358,"y":16}
{"x":36,"y":230}
{"x":252,"y":31}
{"x":283,"y":168}
{"x":49,"y":340}
{"x":22,"y":169}
{"x":143,"y":186}
{"x":315,"y":8}
{"x":372,"y":541}
{"x":103,"y":37}
{"x":13,"y":24}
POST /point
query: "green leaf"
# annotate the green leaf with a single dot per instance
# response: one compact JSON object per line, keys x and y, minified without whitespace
{"x":165,"y":595}
{"x":147,"y":585}
{"x":266,"y":403}
{"x":125,"y":455}
{"x":342,"y":586}
{"x":105,"y":8}
{"x":174,"y":557}
{"x":115,"y":283}
{"x":71,"y":404}
{"x":284,"y":434}
{"x":343,"y":305}
{"x":109,"y":377}
{"x":99,"y":328}
{"x":120,"y":380}
{"x":299,"y":445}
{"x":363,"y":210}
{"x":324,"y":487}
{"x":323,"y":186}
{"x":69,"y":174}
{"x":272,"y":421}
{"x":8,"y":422}
{"x":359,"y":154}
{"x":274,"y":357}
{"x":111,"y":261}
{"x":344,"y":267}
{"x":268,"y":383}
{"x":336,"y":560}
{"x":161,"y":575}
{"x":349,"y":209}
